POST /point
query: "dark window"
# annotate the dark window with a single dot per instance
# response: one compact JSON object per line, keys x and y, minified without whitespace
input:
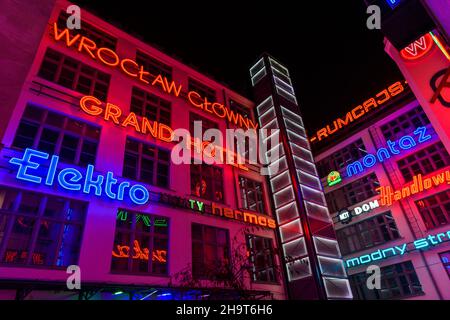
{"x":397,"y":281}
{"x":261,"y":257}
{"x":239,"y":108}
{"x":352,"y":193}
{"x":339,"y":159}
{"x":206,"y":124}
{"x":74,"y":141}
{"x":207,"y":182}
{"x":424,"y":161}
{"x":101,"y":39}
{"x":38,"y":229}
{"x":435,"y":210}
{"x":210,"y":252}
{"x":203,"y":90}
{"x":153,"y":66}
{"x":405,"y":124}
{"x":251,"y":194}
{"x":74,"y":75}
{"x":141,"y":243}
{"x":445,"y":258}
{"x":146,"y":163}
{"x":367,"y":233}
{"x":147,"y":105}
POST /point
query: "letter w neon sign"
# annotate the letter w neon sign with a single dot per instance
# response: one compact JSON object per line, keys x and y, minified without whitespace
{"x":418,"y":48}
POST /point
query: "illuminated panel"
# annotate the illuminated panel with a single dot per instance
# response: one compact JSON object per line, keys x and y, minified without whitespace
{"x":337,"y":288}
{"x":295,"y":249}
{"x":287,"y":212}
{"x":418,"y":48}
{"x":299,"y":269}
{"x":301,"y":152}
{"x":257,"y":72}
{"x":278,"y":166}
{"x":331,"y":267}
{"x":283,"y":196}
{"x":280,"y":181}
{"x":264,"y":106}
{"x":291,"y":230}
{"x":326,"y":247}
{"x":309,"y":179}
{"x":291,"y":116}
{"x":305,"y":165}
{"x":275,"y":65}
{"x":313,"y":195}
{"x":316,"y":211}
{"x":297,"y":139}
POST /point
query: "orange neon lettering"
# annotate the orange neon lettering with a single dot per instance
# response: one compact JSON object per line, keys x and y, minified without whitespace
{"x":172,"y":86}
{"x":322,"y":133}
{"x":131,"y":120}
{"x":386,"y":96}
{"x":252,"y":124}
{"x":356,"y":116}
{"x":368,"y":103}
{"x":139,"y":254}
{"x":163,"y":128}
{"x":220,"y":106}
{"x":231,"y":116}
{"x":190,"y":94}
{"x":262,"y":221}
{"x":112,"y":111}
{"x":109,"y":54}
{"x":94,"y":109}
{"x":396,"y":88}
{"x":91,"y":45}
{"x":142,"y":73}
{"x":126,"y":70}
{"x":243,"y":120}
{"x":65,"y":33}
{"x":153,"y":129}
{"x":159,"y":80}
{"x":348,"y":118}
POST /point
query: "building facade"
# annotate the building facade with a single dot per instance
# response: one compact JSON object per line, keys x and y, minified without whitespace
{"x":386,"y":176}
{"x":86,"y":179}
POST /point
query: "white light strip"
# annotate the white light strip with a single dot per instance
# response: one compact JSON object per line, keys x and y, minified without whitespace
{"x":259,"y":106}
{"x":288,"y":113}
{"x":261,"y":62}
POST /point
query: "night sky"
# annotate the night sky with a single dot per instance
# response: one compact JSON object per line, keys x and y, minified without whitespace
{"x":334,"y":60}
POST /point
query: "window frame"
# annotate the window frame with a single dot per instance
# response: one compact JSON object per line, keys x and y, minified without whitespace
{"x":253,"y":253}
{"x":427,"y":212}
{"x":245,"y":193}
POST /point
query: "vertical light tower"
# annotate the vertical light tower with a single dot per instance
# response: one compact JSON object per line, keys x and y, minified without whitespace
{"x":310,"y":252}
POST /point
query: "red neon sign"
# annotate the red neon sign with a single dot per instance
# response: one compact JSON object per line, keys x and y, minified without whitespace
{"x":418,"y":48}
{"x":140,"y":254}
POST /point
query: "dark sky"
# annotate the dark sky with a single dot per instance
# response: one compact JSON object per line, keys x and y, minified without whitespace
{"x":334,"y":60}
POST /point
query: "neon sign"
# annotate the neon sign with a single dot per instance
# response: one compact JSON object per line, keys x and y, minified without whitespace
{"x":388,"y":196}
{"x":393,"y":3}
{"x":132,"y":69}
{"x":334,"y":177}
{"x":73,"y":180}
{"x":405,"y":143}
{"x":380,"y":98}
{"x":139,"y":254}
{"x":380,"y":254}
{"x":93,"y":107}
{"x":418,"y":48}
{"x":345,"y":216}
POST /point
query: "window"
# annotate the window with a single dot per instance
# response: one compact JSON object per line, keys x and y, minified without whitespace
{"x":405,"y":124}
{"x":424,"y":161}
{"x":261,"y":257}
{"x":435,"y":210}
{"x":141,"y":243}
{"x":367,"y":233}
{"x":210,"y":252}
{"x":445,"y":258}
{"x":146,"y":163}
{"x":147,"y":105}
{"x":252,"y":195}
{"x":153,"y":66}
{"x":74,"y":75}
{"x":206,"y":124}
{"x":101,"y":38}
{"x":352,"y":193}
{"x":207,"y":182}
{"x":238,"y":108}
{"x":74,"y":141}
{"x":203,"y":90}
{"x":397,"y":281}
{"x":341,"y":158}
{"x":48,"y":227}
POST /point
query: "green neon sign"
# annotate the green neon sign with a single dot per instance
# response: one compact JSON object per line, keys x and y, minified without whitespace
{"x":334,"y":178}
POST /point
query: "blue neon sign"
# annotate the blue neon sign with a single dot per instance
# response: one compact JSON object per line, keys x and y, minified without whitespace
{"x":72,"y":179}
{"x":393,"y":3}
{"x":404,"y":143}
{"x":420,"y":244}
